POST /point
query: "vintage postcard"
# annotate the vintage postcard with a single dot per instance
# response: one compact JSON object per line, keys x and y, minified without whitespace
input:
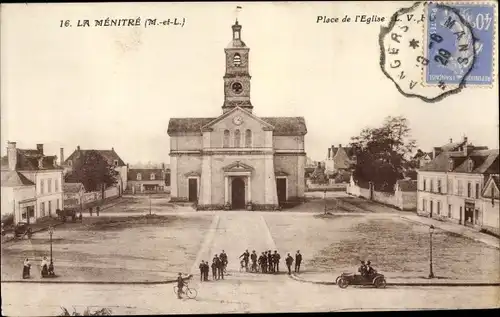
{"x":249,"y":157}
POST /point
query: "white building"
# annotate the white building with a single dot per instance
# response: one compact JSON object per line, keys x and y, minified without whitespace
{"x":450,"y":187}
{"x":31,"y":184}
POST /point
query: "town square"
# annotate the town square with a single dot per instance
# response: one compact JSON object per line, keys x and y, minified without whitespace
{"x":272,"y":170}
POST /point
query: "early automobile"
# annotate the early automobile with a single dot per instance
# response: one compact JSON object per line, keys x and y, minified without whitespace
{"x":23,"y":229}
{"x":374,"y":279}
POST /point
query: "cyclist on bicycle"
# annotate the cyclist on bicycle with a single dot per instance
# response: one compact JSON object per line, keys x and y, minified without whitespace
{"x":245,"y":256}
{"x":180,"y":285}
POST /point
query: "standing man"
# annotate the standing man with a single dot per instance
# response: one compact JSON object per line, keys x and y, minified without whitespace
{"x":245,"y":256}
{"x":298,"y":260}
{"x":264,"y":262}
{"x":220,"y":267}
{"x":223,"y":259}
{"x":276,"y":257}
{"x":289,"y":262}
{"x":202,"y":271}
{"x":253,"y":257}
{"x":214,"y":268}
{"x":180,"y":285}
{"x":270,"y":261}
{"x":217,"y":262}
{"x":207,"y":269}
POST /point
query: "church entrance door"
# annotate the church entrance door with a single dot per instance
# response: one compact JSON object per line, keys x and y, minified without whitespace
{"x":193,"y":190}
{"x":281,"y":189}
{"x":238,"y":193}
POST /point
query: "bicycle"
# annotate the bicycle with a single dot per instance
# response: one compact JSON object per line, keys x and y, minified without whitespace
{"x":243,"y":267}
{"x":191,"y":293}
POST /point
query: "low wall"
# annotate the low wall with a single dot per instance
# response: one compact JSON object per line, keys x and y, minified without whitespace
{"x":400,"y":200}
{"x":327,"y":187}
{"x":111,"y":192}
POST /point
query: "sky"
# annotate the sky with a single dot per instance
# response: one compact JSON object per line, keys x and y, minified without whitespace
{"x":104,"y":87}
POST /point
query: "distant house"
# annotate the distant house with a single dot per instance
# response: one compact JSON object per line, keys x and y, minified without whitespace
{"x":339,"y":159}
{"x":31,"y":184}
{"x":109,"y":156}
{"x":421,"y":158}
{"x":490,"y":202}
{"x":141,"y":180}
{"x":73,"y":194}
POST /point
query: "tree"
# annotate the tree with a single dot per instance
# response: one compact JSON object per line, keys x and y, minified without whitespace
{"x":93,"y":171}
{"x":383,"y":154}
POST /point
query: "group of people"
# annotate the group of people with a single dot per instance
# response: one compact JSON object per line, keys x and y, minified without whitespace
{"x":219,"y":264}
{"x":366,"y":269}
{"x":46,"y":268}
{"x":268,"y":262}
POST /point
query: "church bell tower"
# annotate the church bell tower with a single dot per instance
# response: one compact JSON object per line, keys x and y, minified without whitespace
{"x":237,"y":77}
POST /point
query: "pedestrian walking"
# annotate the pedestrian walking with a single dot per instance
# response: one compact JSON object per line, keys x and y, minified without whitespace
{"x":276,"y":260}
{"x":214,"y":269}
{"x":97,"y":210}
{"x":298,"y":260}
{"x":202,"y":270}
{"x":289,"y":262}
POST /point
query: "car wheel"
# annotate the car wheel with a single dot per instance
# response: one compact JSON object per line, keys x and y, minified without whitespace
{"x":343,"y":283}
{"x":380,"y":282}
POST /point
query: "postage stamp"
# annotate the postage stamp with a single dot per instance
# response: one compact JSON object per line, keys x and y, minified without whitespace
{"x":404,"y":56}
{"x":443,"y":33}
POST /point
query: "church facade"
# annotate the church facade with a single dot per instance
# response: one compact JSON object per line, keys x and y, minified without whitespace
{"x":237,"y":160}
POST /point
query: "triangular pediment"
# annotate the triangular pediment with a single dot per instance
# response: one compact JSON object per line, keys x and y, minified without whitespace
{"x":237,"y":111}
{"x":192,"y":173}
{"x":237,"y":167}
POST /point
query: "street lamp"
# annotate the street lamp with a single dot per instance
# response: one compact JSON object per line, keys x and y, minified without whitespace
{"x":431,"y":231}
{"x":51,"y":232}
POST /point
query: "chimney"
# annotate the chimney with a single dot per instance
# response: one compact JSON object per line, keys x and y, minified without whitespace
{"x":340,"y":145}
{"x":12,"y":155}
{"x":329,"y":152}
{"x":451,"y":140}
{"x":163,"y":166}
{"x":39,"y":147}
{"x":62,"y":156}
{"x":78,"y":148}
{"x":465,"y":139}
{"x":113,"y":149}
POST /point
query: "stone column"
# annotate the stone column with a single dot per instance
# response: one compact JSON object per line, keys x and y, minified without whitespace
{"x":301,"y":164}
{"x":173,"y":177}
{"x":226,"y":189}
{"x":271,"y":195}
{"x":206,"y":180}
{"x":249,"y":195}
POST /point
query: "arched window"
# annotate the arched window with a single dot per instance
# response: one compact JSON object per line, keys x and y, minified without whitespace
{"x":152,"y":177}
{"x":237,"y":138}
{"x":248,"y":138}
{"x":139,"y":176}
{"x":226,"y":139}
{"x":237,"y":60}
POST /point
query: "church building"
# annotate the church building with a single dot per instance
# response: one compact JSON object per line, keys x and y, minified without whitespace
{"x":237,"y":160}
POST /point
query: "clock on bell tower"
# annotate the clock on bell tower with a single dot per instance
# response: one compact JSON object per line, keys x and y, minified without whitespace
{"x":237,"y":78}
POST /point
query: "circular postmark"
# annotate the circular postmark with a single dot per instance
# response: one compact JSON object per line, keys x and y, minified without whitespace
{"x":427,"y":38}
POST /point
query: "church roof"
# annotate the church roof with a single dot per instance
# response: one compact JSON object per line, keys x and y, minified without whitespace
{"x":282,"y":125}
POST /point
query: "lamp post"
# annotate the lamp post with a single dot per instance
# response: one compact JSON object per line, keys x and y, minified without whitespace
{"x":51,"y":232}
{"x":150,"y":204}
{"x":431,"y":231}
